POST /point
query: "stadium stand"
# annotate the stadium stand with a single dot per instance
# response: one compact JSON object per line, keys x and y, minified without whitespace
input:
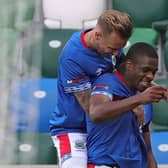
{"x":17,"y":17}
{"x":41,"y":52}
{"x":150,"y":37}
{"x":160,"y":120}
{"x":74,"y":15}
{"x":144,"y":17}
{"x":160,"y":116}
{"x":150,"y":26}
{"x":59,"y":26}
{"x":52,"y":44}
{"x":160,"y":148}
{"x":30,"y":148}
{"x":35,"y":50}
{"x":31,"y":103}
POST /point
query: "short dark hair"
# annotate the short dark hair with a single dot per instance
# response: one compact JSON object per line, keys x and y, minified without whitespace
{"x":140,"y":49}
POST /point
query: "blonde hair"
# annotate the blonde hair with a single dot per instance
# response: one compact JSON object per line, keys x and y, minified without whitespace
{"x":115,"y":21}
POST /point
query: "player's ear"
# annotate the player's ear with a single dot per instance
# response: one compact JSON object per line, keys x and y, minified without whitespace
{"x":129,"y":65}
{"x":97,"y":35}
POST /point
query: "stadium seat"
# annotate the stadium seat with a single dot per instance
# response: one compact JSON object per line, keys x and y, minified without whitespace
{"x":29,"y":148}
{"x":53,"y":42}
{"x":160,"y":116}
{"x":138,"y":36}
{"x":30,"y":107}
{"x":32,"y":101}
{"x":20,"y":55}
{"x":160,"y":148}
{"x":41,"y":51}
{"x":72,"y":14}
{"x":145,"y":14}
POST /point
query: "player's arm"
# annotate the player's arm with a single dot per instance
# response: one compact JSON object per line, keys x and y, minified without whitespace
{"x":102,"y":108}
{"x":76,"y":82}
{"x":139,"y":112}
{"x":151,"y":159}
{"x":83,"y":99}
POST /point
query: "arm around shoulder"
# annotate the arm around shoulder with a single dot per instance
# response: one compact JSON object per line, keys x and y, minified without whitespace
{"x":83,"y":99}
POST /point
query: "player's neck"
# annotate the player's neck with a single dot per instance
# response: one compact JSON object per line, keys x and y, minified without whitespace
{"x":89,"y":39}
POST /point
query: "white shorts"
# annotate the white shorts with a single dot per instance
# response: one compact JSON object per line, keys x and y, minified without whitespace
{"x":102,"y":166}
{"x":71,"y":149}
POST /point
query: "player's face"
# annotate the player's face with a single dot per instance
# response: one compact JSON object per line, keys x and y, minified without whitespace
{"x":143,"y":72}
{"x":109,"y":44}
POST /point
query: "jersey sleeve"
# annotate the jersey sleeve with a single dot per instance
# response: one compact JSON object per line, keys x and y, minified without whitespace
{"x":148,"y":109}
{"x":100,"y":86}
{"x":74,"y":79}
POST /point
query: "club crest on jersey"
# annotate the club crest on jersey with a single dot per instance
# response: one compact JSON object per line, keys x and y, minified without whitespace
{"x":99,"y":71}
{"x":79,"y":145}
{"x":100,"y":87}
{"x":75,"y":80}
{"x":114,"y":61}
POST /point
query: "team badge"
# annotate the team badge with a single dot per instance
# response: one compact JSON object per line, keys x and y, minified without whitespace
{"x":79,"y":145}
{"x":114,"y":61}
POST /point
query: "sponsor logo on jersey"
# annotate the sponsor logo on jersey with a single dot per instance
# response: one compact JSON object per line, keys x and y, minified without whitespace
{"x":75,"y":80}
{"x":99,"y":71}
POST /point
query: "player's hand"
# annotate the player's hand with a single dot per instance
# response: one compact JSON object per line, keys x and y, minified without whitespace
{"x":139,"y":112}
{"x":165,"y":95}
{"x":153,"y":94}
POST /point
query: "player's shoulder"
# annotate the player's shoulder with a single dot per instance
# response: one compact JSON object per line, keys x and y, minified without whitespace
{"x":105,"y":77}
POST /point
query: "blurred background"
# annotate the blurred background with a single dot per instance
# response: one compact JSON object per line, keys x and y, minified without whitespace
{"x":32,"y":34}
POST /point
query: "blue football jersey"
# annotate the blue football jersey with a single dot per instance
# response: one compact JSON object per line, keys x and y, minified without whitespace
{"x":77,"y":68}
{"x":148,"y":109}
{"x":119,"y":140}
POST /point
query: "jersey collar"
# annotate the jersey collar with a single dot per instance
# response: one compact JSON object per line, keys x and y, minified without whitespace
{"x":120,"y":77}
{"x":83,"y":38}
